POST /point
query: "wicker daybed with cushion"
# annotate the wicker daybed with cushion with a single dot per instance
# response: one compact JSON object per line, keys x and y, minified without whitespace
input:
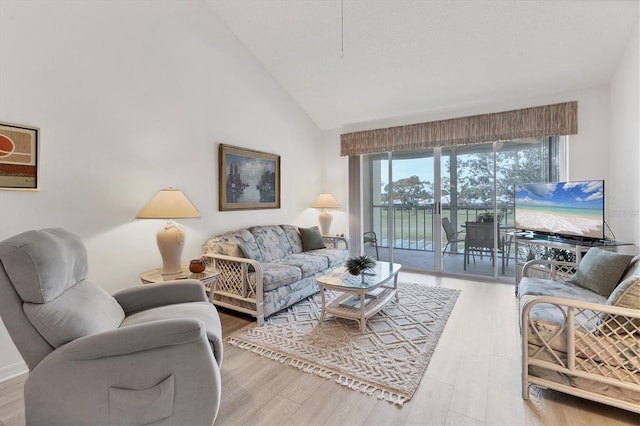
{"x":264,"y":269}
{"x":581,"y":331}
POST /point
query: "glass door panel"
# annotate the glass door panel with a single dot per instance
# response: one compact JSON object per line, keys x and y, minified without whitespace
{"x":412,"y":191}
{"x":467,"y":180}
{"x":401,"y":210}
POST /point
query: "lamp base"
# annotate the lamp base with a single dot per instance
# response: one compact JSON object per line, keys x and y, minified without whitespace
{"x":170,"y":241}
{"x":325,"y":219}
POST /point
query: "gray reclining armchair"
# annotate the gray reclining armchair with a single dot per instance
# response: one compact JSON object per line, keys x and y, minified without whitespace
{"x":148,"y":354}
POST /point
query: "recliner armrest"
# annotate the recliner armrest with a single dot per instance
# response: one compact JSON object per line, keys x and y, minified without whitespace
{"x":153,"y":295}
{"x":135,"y":338}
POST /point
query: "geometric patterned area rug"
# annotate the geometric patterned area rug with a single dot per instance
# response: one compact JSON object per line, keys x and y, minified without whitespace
{"x":388,"y":360}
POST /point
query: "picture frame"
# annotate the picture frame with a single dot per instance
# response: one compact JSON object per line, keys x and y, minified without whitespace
{"x":19,"y":157}
{"x":247,"y":179}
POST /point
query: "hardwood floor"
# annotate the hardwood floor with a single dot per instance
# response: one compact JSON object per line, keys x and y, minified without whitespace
{"x":473,"y":379}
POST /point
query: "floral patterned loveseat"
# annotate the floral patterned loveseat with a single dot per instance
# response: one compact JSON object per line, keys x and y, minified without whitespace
{"x":581,"y":328}
{"x":264,"y":269}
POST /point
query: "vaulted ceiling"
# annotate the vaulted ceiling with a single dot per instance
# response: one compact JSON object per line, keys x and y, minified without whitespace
{"x":363,"y":60}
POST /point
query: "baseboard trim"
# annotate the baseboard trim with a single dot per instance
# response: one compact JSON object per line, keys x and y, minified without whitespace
{"x":10,"y":371}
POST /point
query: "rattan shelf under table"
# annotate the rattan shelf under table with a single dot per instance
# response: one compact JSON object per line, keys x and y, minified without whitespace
{"x":355,"y":290}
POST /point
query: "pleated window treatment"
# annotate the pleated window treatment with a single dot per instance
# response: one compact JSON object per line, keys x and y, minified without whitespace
{"x":535,"y":122}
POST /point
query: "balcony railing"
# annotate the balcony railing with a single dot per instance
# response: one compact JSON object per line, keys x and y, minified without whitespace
{"x":413,"y":227}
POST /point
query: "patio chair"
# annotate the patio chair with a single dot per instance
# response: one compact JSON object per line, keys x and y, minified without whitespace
{"x":453,"y":237}
{"x":480,"y":239}
{"x":370,"y":241}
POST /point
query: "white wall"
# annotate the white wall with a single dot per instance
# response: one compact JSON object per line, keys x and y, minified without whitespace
{"x":132,"y":97}
{"x":623,"y":144}
{"x":335,"y":180}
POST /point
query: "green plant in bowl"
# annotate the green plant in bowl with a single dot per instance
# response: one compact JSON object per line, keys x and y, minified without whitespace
{"x":359,"y":264}
{"x":488,"y":217}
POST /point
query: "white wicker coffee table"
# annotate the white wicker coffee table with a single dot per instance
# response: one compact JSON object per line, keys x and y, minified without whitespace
{"x":359,"y":300}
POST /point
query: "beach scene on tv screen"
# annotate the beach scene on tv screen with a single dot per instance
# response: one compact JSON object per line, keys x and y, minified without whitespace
{"x":564,"y":208}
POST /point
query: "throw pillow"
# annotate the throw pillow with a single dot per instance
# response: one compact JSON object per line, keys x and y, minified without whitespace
{"x":231,"y":249}
{"x":248,"y":244}
{"x":625,"y":295}
{"x":600,"y":270}
{"x":311,"y":238}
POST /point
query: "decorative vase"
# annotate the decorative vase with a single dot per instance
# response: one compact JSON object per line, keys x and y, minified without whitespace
{"x":196,"y":266}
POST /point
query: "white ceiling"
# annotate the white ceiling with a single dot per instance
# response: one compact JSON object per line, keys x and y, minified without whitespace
{"x":409,"y":57}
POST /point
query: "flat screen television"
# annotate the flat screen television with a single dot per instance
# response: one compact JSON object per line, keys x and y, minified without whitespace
{"x":563,"y":209}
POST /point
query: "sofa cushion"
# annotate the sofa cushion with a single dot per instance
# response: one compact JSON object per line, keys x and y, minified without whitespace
{"x":233,"y":250}
{"x":541,"y":287}
{"x":600,"y":270}
{"x":214,"y":244}
{"x":284,"y":296}
{"x":275,"y":275}
{"x":548,"y":324}
{"x":311,"y":238}
{"x":549,"y":320}
{"x":272,"y":242}
{"x":548,"y":328}
{"x":632,"y":269}
{"x":626,"y":295}
{"x":225,"y":244}
{"x":295,"y":241}
{"x":247,"y":244}
{"x":308,"y":264}
{"x":239,"y":243}
{"x":334,"y":257}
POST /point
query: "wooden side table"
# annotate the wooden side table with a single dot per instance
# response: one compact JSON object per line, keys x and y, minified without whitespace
{"x":209,"y":278}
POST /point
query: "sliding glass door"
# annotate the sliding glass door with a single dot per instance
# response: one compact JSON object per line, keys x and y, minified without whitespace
{"x":401,"y":207}
{"x":425,"y":207}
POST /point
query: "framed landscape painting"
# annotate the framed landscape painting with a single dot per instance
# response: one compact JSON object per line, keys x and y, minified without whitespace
{"x":19,"y":147}
{"x":247,"y":179}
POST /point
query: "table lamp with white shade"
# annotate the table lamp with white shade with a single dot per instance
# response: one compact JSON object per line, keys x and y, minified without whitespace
{"x":324,"y":202}
{"x":170,"y":204}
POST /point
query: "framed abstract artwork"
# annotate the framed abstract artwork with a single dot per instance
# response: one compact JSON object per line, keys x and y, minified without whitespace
{"x":19,"y":148}
{"x":247,"y":179}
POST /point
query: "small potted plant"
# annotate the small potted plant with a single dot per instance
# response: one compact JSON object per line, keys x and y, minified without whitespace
{"x":488,"y":217}
{"x":559,"y":255}
{"x":359,"y":264}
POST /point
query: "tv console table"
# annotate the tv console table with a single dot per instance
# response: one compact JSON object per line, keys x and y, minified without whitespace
{"x":527,"y":246}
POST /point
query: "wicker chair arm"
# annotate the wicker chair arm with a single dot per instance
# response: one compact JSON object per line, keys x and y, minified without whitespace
{"x":557,"y":270}
{"x":599,"y":308}
{"x":336,"y":242}
{"x":217,"y":256}
{"x":597,"y":342}
{"x":234,"y":276}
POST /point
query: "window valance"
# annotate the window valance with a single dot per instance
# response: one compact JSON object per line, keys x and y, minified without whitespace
{"x":535,"y":122}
